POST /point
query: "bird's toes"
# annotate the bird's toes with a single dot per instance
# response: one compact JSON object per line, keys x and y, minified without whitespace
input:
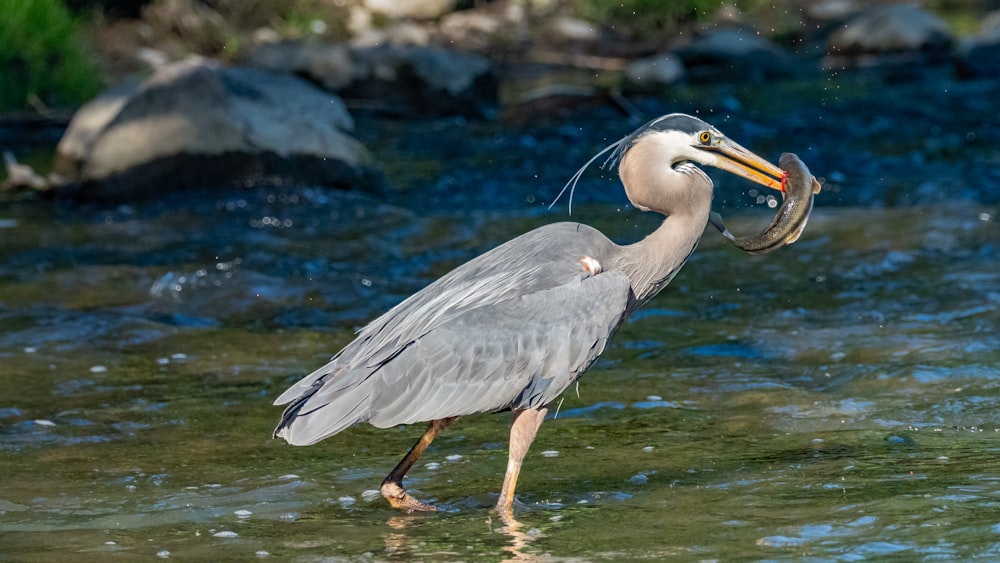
{"x":411,"y":504}
{"x":401,"y":500}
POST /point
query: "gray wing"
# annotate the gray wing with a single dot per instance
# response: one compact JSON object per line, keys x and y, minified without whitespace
{"x":518,"y":353}
{"x":541,"y":259}
{"x":522,"y":353}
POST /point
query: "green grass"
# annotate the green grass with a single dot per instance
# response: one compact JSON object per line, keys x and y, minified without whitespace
{"x":43,"y":61}
{"x":645,"y":18}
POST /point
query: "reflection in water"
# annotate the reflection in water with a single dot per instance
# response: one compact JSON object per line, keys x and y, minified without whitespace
{"x":404,"y":541}
{"x":519,"y":540}
{"x":397,"y":543}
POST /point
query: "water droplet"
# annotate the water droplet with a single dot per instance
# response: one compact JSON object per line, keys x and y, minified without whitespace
{"x":243,"y":513}
{"x":432,"y":465}
{"x":98,"y":369}
{"x":454,"y":457}
{"x":647,"y":449}
{"x":163,"y":554}
{"x":32,"y":349}
{"x":346,"y":500}
{"x":262,"y":554}
{"x":44,"y":422}
{"x":225,"y":534}
{"x":550,"y":453}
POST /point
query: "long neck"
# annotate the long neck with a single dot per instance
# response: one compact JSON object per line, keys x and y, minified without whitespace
{"x":683,"y":193}
{"x":653,"y":261}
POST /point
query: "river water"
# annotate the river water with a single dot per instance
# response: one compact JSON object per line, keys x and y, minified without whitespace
{"x":833,"y":401}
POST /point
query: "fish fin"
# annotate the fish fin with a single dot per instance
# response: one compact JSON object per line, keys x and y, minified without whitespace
{"x":716,"y":221}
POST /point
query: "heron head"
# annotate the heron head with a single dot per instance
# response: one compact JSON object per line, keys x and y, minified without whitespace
{"x":678,"y":138}
{"x":651,"y":156}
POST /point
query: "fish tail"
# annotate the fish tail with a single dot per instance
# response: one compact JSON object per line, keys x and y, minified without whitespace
{"x":716,"y":221}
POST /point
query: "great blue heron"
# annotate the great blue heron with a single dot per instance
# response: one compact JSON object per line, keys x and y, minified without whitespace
{"x":514,"y":327}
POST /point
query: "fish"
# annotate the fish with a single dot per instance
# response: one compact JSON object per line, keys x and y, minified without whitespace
{"x":798,"y":188}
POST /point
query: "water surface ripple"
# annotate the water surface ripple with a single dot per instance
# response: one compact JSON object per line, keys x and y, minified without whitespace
{"x":836,"y":400}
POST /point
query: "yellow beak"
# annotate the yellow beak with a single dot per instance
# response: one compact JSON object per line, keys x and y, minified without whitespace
{"x":735,"y":159}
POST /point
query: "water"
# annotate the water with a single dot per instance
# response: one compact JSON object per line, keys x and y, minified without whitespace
{"x":832,"y":401}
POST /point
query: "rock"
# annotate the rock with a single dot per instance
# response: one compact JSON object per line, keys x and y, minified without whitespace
{"x":87,"y":124}
{"x":195,"y":23}
{"x":657,"y":70}
{"x":410,"y":9}
{"x":397,"y":34}
{"x":565,"y":28}
{"x":329,"y":66}
{"x":196,"y":124}
{"x":396,"y":80}
{"x":900,"y":33}
{"x":979,"y":56}
{"x":733,"y":55}
{"x":482,"y":31}
{"x":832,"y":10}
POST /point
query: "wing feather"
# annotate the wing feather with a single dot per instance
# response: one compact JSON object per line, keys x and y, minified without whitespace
{"x":540,"y":344}
{"x":511,"y":328}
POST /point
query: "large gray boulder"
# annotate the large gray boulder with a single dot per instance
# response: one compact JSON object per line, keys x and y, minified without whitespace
{"x":733,"y":55}
{"x":900,"y":33}
{"x":400,"y":80}
{"x":196,"y":124}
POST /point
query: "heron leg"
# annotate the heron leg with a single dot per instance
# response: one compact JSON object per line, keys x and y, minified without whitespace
{"x":522,"y":433}
{"x":392,"y":485}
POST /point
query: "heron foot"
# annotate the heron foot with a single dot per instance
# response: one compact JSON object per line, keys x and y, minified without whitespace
{"x":505,"y":513}
{"x":401,"y":500}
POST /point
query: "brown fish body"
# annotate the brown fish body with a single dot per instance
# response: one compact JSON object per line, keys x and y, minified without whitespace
{"x":799,"y":188}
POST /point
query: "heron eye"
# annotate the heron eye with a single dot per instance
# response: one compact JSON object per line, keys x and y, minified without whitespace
{"x":704,"y":137}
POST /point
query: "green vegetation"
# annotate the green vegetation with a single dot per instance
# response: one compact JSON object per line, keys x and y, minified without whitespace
{"x":43,"y":62}
{"x":289,"y":18}
{"x":646,"y":18}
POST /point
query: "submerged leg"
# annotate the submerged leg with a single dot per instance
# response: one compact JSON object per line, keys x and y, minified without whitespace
{"x":392,"y":485}
{"x":522,"y":433}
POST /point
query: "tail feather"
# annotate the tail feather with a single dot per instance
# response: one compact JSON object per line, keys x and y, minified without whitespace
{"x":313,"y":416}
